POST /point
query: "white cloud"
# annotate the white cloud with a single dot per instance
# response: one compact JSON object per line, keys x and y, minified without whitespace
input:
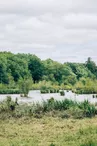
{"x":49,"y":28}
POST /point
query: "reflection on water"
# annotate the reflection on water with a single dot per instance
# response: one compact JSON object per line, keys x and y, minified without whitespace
{"x":36,"y":96}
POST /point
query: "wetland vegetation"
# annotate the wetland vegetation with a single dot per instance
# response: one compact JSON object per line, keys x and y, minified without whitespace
{"x":53,"y":122}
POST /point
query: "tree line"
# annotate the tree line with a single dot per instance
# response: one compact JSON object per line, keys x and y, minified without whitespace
{"x":18,"y":70}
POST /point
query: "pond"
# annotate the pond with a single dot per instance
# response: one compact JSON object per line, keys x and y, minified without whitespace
{"x":36,"y":96}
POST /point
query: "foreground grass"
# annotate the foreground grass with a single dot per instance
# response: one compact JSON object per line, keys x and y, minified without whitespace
{"x":48,"y":131}
{"x":51,"y":123}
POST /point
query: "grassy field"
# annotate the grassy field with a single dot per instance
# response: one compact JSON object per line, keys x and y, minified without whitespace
{"x":51,"y":123}
{"x":48,"y":131}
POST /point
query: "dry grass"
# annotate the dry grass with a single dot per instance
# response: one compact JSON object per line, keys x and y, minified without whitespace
{"x":47,"y":131}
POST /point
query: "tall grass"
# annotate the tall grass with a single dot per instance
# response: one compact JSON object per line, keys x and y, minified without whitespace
{"x":63,"y":108}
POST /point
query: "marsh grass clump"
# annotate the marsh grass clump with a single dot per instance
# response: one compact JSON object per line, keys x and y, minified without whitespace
{"x":62,"y":93}
{"x":89,"y":109}
{"x":53,"y":91}
{"x":64,"y":104}
{"x":44,"y":91}
{"x":52,"y":104}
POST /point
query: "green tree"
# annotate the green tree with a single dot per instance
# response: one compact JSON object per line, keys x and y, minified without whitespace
{"x":25,"y":85}
{"x":36,"y":68}
{"x":91,"y":66}
{"x":3,"y":71}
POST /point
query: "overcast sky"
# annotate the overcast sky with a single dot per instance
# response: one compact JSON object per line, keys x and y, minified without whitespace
{"x":64,"y":30}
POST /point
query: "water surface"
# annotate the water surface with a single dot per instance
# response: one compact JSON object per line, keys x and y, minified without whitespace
{"x":36,"y":96}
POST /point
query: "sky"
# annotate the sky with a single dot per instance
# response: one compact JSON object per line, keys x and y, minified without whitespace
{"x":63,"y":30}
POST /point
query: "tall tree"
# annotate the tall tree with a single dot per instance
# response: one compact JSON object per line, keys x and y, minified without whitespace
{"x":91,"y":66}
{"x":3,"y":71}
{"x":36,"y":68}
